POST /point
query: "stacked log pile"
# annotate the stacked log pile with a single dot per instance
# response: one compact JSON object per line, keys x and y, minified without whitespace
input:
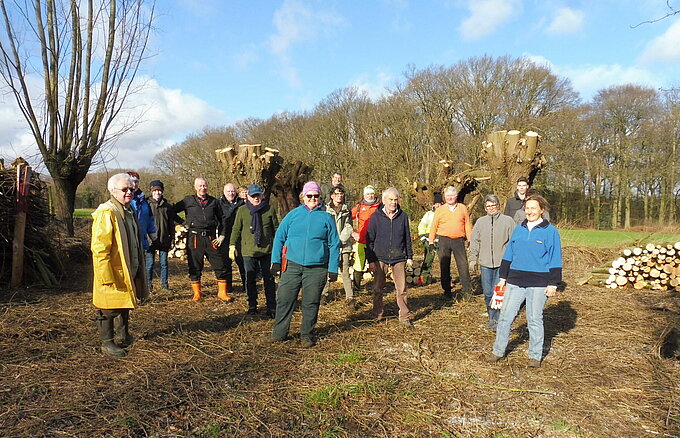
{"x":179,"y":243}
{"x":41,"y":264}
{"x":655,"y":267}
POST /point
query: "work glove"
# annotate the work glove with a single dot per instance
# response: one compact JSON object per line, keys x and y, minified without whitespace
{"x":497,"y":298}
{"x":218,"y":241}
{"x":473,"y":265}
{"x":232,"y":252}
{"x":409,"y":263}
{"x":423,"y":238}
{"x":276,"y":267}
{"x":153,"y":236}
{"x":332,"y":276}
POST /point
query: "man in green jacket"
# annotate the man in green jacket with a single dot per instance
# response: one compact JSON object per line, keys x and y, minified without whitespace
{"x":254,"y":228}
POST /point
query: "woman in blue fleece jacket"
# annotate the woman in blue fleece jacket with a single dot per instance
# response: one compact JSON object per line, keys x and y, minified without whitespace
{"x":310,"y":238}
{"x":531,"y":268}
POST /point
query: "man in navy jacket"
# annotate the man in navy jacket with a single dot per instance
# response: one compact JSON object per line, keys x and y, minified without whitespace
{"x":388,"y":242}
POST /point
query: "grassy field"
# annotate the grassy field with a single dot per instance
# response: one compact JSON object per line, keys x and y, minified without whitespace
{"x":613,"y":239}
{"x":83,"y":212}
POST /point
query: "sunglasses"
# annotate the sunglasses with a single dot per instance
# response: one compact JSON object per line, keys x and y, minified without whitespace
{"x":312,"y":196}
{"x":126,"y":189}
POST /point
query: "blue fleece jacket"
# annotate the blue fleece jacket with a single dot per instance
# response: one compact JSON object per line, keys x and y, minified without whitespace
{"x":533,"y":258}
{"x":311,"y":237}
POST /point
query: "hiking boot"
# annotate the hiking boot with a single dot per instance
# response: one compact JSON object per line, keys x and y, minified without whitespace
{"x":252,"y":311}
{"x":271,"y":313}
{"x":307,"y":343}
{"x":324,"y":300}
{"x":351,"y":304}
{"x":534,"y":363}
{"x":407,"y":324}
{"x":492,"y":358}
{"x":448,"y":295}
{"x":270,"y":340}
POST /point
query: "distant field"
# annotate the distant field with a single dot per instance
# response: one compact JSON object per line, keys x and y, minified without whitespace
{"x":604,"y":239}
{"x":83,"y":212}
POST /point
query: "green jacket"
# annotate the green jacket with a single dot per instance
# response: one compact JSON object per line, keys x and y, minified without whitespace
{"x":240,"y":233}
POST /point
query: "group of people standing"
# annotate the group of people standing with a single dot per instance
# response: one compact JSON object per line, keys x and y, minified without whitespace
{"x":311,"y":245}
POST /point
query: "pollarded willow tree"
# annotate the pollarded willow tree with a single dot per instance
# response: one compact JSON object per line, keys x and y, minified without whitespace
{"x":87,"y":54}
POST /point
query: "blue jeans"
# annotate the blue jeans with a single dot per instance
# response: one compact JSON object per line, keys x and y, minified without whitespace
{"x":490,"y":278}
{"x":163,"y":258}
{"x":514,"y":297}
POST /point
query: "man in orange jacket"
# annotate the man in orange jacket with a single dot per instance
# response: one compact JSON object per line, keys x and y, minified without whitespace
{"x":451,"y":225}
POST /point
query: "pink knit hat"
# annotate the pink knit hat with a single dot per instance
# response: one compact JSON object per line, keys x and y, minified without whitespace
{"x":311,"y":186}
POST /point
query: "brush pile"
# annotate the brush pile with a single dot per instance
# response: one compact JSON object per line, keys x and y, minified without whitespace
{"x":655,"y":267}
{"x":41,"y":264}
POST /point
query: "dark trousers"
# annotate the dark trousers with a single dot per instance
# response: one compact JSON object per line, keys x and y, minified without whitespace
{"x":428,"y":261}
{"x":228,"y":265}
{"x":311,"y":279}
{"x":251,"y":266}
{"x":200,"y":247}
{"x":448,"y":246}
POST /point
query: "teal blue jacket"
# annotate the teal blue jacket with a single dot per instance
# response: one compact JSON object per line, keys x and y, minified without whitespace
{"x":310,"y":236}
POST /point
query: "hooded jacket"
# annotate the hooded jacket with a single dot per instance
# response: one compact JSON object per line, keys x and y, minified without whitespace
{"x":343,"y":222}
{"x":388,"y":240}
{"x":490,"y":236}
{"x":163,"y":221}
{"x":114,"y":285}
{"x":144,"y":218}
{"x":311,"y":238}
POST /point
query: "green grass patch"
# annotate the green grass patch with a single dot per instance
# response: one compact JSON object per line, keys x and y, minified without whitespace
{"x":83,"y":212}
{"x":609,"y":239}
{"x":564,"y":426}
{"x":329,"y":397}
{"x":351,"y":357}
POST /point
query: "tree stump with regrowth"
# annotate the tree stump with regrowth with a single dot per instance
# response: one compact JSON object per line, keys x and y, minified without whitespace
{"x":248,"y":164}
{"x":505,"y":156}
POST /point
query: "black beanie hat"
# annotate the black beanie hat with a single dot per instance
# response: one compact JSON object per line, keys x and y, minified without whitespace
{"x":156,"y":184}
{"x":438,"y":199}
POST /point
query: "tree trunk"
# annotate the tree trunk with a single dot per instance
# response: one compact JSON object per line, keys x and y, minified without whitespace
{"x":597,"y":205}
{"x":66,"y":201}
{"x":626,"y":223}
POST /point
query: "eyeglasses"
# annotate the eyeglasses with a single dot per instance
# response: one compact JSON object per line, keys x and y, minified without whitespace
{"x":338,"y":193}
{"x":491,"y":206}
{"x":312,"y":196}
{"x":126,"y":189}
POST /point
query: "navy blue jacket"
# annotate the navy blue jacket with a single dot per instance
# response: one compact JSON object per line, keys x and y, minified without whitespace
{"x":533,"y":258}
{"x":388,"y":240}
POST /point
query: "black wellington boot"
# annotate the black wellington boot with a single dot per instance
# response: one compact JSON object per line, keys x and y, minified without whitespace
{"x":122,"y":334}
{"x":105,"y":325}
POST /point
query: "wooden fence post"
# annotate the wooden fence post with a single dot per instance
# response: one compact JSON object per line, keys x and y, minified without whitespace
{"x":22,"y":191}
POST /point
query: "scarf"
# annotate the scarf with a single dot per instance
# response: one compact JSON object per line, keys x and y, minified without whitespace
{"x":256,"y":221}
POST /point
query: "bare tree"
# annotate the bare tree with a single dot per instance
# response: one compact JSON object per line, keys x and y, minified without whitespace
{"x":87,"y":54}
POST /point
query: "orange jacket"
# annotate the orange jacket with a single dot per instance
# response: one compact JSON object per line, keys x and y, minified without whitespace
{"x":362,"y":213}
{"x":453,"y":224}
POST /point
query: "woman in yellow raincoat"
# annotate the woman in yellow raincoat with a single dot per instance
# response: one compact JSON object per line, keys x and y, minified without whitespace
{"x":118,"y":264}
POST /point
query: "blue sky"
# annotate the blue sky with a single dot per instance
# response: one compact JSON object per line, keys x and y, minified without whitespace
{"x":218,"y":61}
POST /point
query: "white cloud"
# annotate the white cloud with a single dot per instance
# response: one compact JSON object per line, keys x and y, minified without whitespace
{"x":486,"y":16}
{"x":589,"y":79}
{"x":665,"y":47}
{"x":566,"y":21}
{"x":295,"y":23}
{"x":165,"y":117}
{"x":375,"y":87}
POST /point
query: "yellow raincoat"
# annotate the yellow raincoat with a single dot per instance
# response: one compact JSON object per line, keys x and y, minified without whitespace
{"x":114,"y":286}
